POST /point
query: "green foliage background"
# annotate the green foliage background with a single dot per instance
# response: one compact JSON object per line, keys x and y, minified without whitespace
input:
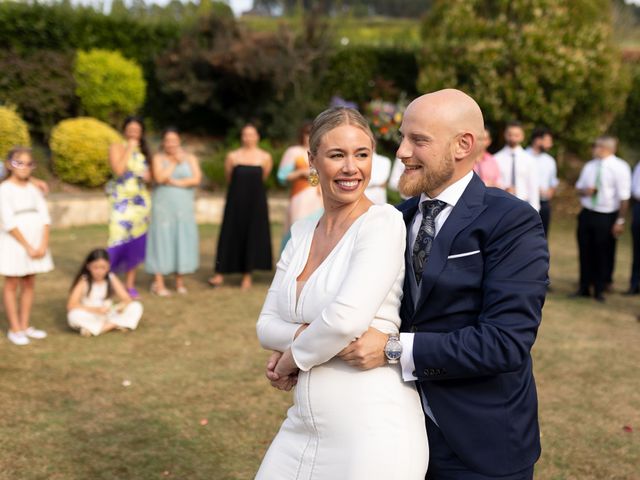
{"x":109,"y":86}
{"x":80,"y":149}
{"x":545,"y":62}
{"x":13,"y":131}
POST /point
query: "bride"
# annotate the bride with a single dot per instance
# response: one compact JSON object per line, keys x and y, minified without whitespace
{"x":337,"y":277}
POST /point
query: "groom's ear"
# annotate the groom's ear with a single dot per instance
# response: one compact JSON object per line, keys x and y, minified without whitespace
{"x":464,"y":145}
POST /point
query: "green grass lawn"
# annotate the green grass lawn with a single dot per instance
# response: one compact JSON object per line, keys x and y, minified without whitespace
{"x":67,"y":415}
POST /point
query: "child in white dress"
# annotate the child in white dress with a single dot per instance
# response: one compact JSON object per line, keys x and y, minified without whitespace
{"x":24,"y":240}
{"x":90,"y":308}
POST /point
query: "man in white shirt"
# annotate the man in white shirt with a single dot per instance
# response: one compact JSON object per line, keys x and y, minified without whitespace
{"x":518,"y":171}
{"x":634,"y":283}
{"x":604,"y":187}
{"x":377,"y":189}
{"x":541,"y":143}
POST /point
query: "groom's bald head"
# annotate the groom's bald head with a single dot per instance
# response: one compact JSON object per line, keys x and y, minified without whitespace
{"x":442,"y":137}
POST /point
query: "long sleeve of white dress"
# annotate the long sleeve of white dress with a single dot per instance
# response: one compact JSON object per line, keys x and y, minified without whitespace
{"x":274,"y":332}
{"x":375,"y":267}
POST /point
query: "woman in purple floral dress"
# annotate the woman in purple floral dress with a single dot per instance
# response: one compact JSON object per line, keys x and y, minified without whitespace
{"x":130,"y":202}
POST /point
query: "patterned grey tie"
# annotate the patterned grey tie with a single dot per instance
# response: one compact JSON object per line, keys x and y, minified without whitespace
{"x":426,"y":234}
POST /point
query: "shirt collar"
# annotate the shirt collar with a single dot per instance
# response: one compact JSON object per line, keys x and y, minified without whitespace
{"x":532,"y":152}
{"x":517,"y":149}
{"x":453,"y":192}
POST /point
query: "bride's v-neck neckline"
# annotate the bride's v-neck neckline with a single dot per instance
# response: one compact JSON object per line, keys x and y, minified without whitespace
{"x":298,"y":295}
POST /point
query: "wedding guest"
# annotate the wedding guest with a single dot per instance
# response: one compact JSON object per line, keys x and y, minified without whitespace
{"x":541,"y":143}
{"x":90,"y":308}
{"x":41,"y":184}
{"x":244,"y":244}
{"x":172,"y":241}
{"x":24,"y":244}
{"x":634,"y":282}
{"x":604,"y":187}
{"x":305,"y":199}
{"x":129,"y":201}
{"x":518,"y":171}
{"x":486,"y":166}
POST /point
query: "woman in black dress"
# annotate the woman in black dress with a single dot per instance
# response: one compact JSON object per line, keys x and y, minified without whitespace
{"x":245,"y":237}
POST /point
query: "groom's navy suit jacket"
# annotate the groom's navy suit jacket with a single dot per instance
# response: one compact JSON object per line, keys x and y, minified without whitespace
{"x":475,"y":322}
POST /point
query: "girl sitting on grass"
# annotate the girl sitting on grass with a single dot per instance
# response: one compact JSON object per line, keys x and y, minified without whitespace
{"x":90,"y":308}
{"x":24,"y":242}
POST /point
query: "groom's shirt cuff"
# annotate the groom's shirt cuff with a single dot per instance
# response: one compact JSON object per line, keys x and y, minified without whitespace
{"x":406,"y":359}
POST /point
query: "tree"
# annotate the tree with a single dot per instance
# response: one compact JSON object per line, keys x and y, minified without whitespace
{"x":545,"y":62}
{"x":389,"y":8}
{"x":220,"y":75}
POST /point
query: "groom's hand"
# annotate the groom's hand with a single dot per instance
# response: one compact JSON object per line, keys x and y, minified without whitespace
{"x":367,"y":352}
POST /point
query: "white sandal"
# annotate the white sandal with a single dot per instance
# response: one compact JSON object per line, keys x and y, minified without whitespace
{"x":159,"y":292}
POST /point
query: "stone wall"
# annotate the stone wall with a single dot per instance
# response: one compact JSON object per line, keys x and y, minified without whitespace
{"x":70,"y":210}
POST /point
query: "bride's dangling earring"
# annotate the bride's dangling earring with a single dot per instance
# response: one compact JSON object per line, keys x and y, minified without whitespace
{"x":314,"y":179}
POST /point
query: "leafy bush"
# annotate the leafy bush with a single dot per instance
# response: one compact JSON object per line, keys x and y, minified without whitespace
{"x":626,"y":125}
{"x":109,"y":86}
{"x":80,"y":149}
{"x":362,"y":73}
{"x":545,"y":62}
{"x":40,"y":84}
{"x":13,"y":131}
{"x":221,"y":76}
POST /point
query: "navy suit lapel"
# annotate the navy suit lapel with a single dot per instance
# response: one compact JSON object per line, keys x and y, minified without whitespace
{"x":466,"y":211}
{"x":408,"y":209}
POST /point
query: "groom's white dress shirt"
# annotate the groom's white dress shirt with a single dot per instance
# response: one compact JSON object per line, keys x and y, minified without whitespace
{"x":450,"y":196}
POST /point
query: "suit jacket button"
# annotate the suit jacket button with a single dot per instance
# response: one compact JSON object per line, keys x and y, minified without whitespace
{"x":414,"y":374}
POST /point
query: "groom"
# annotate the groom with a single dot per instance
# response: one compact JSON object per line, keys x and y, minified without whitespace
{"x":476,"y":277}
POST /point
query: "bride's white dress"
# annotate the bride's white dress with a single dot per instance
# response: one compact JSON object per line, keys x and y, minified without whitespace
{"x":345,"y":424}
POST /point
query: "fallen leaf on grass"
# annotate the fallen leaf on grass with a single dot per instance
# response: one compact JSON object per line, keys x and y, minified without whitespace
{"x":627,"y":428}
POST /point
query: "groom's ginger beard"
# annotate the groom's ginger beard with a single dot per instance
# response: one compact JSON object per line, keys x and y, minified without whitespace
{"x":432,"y":179}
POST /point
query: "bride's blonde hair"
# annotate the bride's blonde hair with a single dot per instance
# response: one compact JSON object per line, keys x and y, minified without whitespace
{"x":335,"y":117}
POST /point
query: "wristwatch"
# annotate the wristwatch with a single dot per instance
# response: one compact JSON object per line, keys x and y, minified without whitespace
{"x":393,"y":348}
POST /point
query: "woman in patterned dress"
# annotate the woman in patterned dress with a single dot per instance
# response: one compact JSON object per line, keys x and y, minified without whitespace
{"x":130,"y":202}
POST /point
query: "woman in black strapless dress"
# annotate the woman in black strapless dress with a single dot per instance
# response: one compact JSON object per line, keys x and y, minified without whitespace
{"x":245,"y":237}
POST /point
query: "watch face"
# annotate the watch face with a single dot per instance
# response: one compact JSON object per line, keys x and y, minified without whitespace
{"x":393,"y":350}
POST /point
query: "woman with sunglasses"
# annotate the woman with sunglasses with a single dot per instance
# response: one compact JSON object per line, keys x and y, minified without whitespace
{"x":24,"y":242}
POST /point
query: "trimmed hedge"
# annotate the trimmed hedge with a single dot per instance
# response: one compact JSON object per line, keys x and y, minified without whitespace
{"x":28,"y":27}
{"x":109,"y":86}
{"x":13,"y":131}
{"x":80,"y":150}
